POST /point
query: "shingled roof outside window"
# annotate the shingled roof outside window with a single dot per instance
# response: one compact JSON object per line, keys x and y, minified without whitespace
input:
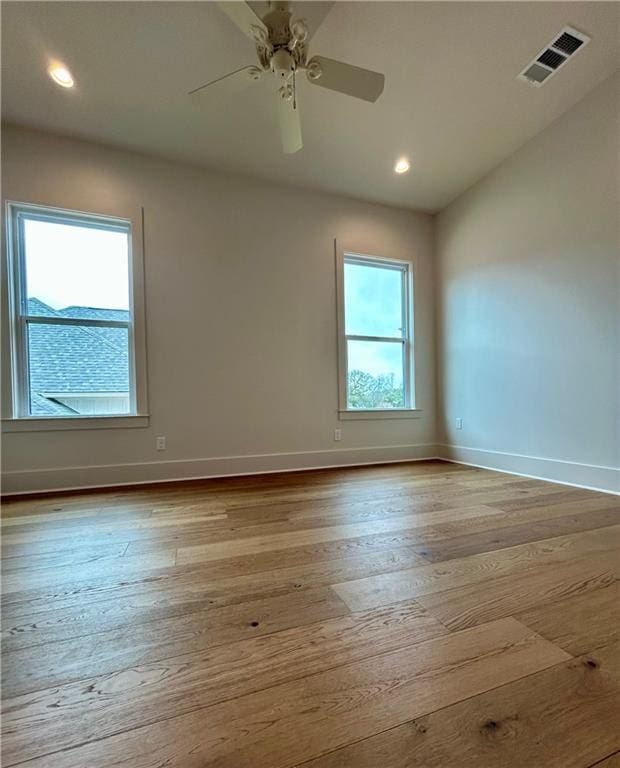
{"x":77,"y":369}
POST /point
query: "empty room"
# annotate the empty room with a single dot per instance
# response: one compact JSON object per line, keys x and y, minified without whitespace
{"x":310,"y":321}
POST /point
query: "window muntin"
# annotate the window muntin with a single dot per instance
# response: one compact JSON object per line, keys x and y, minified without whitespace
{"x":72,"y":313}
{"x":375,"y":334}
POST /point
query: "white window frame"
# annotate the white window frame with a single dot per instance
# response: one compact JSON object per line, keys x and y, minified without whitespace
{"x":347,"y":255}
{"x":19,"y":419}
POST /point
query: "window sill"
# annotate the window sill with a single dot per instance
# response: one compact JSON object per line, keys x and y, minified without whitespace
{"x":388,"y":413}
{"x":61,"y":423}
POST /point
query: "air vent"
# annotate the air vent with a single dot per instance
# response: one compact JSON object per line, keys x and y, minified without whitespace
{"x":553,"y":56}
{"x":537,"y":74}
{"x":568,"y":43}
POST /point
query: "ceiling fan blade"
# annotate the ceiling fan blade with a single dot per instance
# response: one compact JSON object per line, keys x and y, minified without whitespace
{"x":232,"y":83}
{"x":290,"y":126}
{"x":248,"y":22}
{"x":345,"y":78}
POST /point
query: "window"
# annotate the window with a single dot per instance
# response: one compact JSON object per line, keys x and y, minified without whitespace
{"x":375,"y":339}
{"x":73,"y":280}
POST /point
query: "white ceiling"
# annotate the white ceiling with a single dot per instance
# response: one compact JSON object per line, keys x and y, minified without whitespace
{"x":451,"y":101}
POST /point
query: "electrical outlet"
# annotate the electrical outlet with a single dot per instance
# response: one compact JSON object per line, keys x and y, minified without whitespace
{"x":337,"y":434}
{"x":160,"y":443}
{"x":459,"y":423}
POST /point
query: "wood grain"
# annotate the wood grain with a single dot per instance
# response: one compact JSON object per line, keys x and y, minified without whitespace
{"x":288,"y":652}
{"x":157,"y":690}
{"x":383,"y":589}
{"x":562,"y":717}
{"x":289,"y":722}
{"x":422,"y":614}
{"x":474,"y":604}
{"x":277,"y":541}
{"x":611,"y":762}
{"x":502,"y":537}
{"x":217,"y":625}
{"x":123,"y":567}
{"x":578,"y":624}
{"x":64,"y":559}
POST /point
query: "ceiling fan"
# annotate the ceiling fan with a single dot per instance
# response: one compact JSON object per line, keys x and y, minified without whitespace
{"x":282,"y":46}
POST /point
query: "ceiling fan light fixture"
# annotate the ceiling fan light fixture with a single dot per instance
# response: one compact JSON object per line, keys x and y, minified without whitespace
{"x":61,"y":75}
{"x":282,"y":63}
{"x":402,"y":165}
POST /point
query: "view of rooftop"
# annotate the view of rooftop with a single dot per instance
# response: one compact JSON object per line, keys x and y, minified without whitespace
{"x":77,"y":369}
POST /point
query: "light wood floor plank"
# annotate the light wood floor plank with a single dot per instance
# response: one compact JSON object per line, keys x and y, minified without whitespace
{"x":128,"y":698}
{"x":216,"y":625}
{"x":578,"y":624}
{"x":256,"y":662}
{"x":562,"y":717}
{"x":429,"y":530}
{"x":467,"y":606}
{"x":256,"y":544}
{"x":203,"y":585}
{"x":611,"y":762}
{"x":64,"y":559}
{"x":288,"y":723}
{"x":383,"y":589}
{"x":504,"y":536}
{"x":209,"y":623}
{"x":17,"y":581}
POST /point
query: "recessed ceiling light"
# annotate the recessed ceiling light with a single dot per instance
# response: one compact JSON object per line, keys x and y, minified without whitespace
{"x":402,"y":166}
{"x":61,"y":75}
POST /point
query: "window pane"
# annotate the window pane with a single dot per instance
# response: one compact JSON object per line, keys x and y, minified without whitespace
{"x":373,"y":300}
{"x":77,"y":370}
{"x":375,"y":374}
{"x":76,"y":271}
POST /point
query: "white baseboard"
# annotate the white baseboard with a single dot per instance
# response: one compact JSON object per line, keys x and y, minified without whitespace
{"x":590,"y":476}
{"x":139,"y":473}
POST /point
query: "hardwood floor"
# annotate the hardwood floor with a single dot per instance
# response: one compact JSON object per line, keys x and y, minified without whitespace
{"x":423,"y":615}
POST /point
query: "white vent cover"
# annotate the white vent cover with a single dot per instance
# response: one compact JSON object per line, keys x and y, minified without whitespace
{"x":553,"y":56}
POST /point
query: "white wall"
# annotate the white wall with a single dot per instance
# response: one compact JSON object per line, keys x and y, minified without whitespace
{"x":241,"y":320}
{"x":528,"y":305}
{"x":240,"y":293}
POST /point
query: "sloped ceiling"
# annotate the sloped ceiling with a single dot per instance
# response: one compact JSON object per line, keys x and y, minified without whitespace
{"x":451,"y":102}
